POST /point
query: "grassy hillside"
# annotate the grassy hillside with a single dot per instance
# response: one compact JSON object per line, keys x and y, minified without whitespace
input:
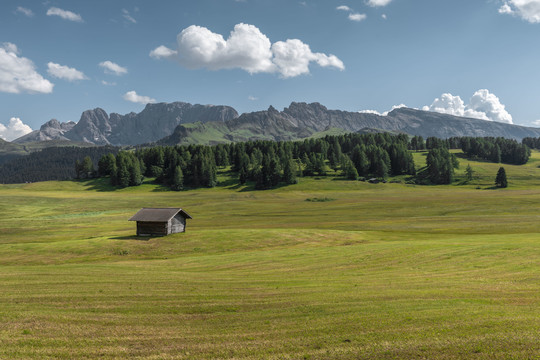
{"x":380,"y":271}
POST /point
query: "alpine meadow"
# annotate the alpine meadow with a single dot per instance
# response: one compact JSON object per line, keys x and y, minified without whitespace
{"x":269,"y":179}
{"x":325,"y":268}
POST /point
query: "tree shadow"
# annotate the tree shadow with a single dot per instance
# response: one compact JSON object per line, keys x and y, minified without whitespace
{"x":132,"y":237}
{"x":99,"y":184}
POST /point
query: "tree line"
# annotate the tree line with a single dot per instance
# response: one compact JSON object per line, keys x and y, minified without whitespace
{"x":54,"y":163}
{"x":266,"y":163}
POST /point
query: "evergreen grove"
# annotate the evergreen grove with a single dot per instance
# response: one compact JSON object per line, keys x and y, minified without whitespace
{"x":268,"y":163}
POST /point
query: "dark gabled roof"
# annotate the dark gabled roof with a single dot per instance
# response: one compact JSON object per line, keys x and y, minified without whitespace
{"x":158,"y":214}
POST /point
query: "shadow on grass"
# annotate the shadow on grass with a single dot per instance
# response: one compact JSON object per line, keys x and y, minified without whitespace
{"x":99,"y":184}
{"x":132,"y":237}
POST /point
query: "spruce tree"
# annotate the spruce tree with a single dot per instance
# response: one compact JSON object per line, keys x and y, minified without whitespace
{"x":500,"y":179}
{"x":178,"y":179}
{"x":469,"y":173}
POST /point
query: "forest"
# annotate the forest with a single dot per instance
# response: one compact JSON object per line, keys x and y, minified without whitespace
{"x":267,"y":164}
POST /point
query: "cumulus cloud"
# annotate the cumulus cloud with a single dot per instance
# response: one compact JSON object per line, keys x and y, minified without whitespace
{"x":64,"y":14}
{"x":384,"y":113}
{"x":162,"y":52}
{"x":377,"y":3}
{"x":24,"y":11}
{"x":292,"y":58}
{"x":482,"y":105}
{"x":134,"y":97}
{"x":528,"y":10}
{"x":344,"y":8}
{"x":65,"y":72}
{"x":113,"y":68}
{"x":18,"y":74}
{"x":357,"y":17}
{"x":14,"y":129}
{"x":246,"y":48}
{"x":536,"y":122}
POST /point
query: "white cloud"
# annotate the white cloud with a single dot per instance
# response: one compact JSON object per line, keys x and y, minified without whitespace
{"x":377,"y":3}
{"x":370,"y":112}
{"x":15,"y":129}
{"x":134,"y":97}
{"x":536,"y":122}
{"x":344,"y":8}
{"x":383,"y":16}
{"x":252,"y":98}
{"x":64,"y":14}
{"x":482,"y":105}
{"x":528,"y":10}
{"x":24,"y":11}
{"x":357,"y":17}
{"x":485,"y":102}
{"x":126,"y":15}
{"x":162,"y":52}
{"x":384,"y":113}
{"x":65,"y":72}
{"x":106,"y":83}
{"x":292,"y":58}
{"x":246,"y":48}
{"x":113,"y":68}
{"x":10,"y":48}
{"x":18,"y":74}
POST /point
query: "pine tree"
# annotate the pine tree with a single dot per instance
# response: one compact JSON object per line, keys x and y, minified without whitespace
{"x":78,"y":169}
{"x":106,"y":165}
{"x":289,"y":172}
{"x":469,"y":173}
{"x":348,"y":168}
{"x":87,"y":167}
{"x":500,"y":179}
{"x":178,"y":179}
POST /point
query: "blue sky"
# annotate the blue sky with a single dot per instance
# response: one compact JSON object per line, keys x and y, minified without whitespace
{"x":472,"y":58}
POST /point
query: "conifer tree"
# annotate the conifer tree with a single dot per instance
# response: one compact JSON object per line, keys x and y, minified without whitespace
{"x":178,"y":179}
{"x":469,"y":173}
{"x":500,"y":179}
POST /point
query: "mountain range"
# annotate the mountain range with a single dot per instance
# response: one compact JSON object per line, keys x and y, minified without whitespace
{"x":184,"y":123}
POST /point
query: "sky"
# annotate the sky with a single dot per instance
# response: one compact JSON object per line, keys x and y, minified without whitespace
{"x":469,"y":58}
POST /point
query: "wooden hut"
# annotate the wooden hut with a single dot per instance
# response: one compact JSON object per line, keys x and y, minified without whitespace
{"x":160,"y":221}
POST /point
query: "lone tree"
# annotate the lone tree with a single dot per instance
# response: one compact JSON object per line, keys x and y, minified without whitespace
{"x":500,"y":180}
{"x":469,"y":173}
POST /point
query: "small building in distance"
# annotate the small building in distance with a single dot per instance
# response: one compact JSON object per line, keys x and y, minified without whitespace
{"x":160,"y":221}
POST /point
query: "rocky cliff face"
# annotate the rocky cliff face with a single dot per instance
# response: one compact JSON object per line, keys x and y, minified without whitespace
{"x":153,"y":123}
{"x":51,"y":130}
{"x":183,"y":123}
{"x":301,"y":120}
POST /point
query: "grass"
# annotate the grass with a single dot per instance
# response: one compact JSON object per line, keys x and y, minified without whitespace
{"x":383,"y":271}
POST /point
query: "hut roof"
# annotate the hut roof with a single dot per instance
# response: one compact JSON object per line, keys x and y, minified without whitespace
{"x":158,"y":214}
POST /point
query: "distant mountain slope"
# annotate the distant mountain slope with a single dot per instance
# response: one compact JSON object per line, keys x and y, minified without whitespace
{"x":183,"y":123}
{"x":51,"y":130}
{"x":301,"y":120}
{"x":153,"y":123}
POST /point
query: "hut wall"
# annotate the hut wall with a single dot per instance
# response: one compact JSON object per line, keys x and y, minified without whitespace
{"x":177,"y":224}
{"x":147,"y":228}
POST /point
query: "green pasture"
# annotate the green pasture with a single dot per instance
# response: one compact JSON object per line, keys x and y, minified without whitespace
{"x":362,"y":271}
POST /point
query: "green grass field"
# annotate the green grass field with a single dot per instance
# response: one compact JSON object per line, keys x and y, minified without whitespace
{"x":377,"y":271}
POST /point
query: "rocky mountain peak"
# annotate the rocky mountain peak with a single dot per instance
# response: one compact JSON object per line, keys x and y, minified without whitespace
{"x":51,"y":124}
